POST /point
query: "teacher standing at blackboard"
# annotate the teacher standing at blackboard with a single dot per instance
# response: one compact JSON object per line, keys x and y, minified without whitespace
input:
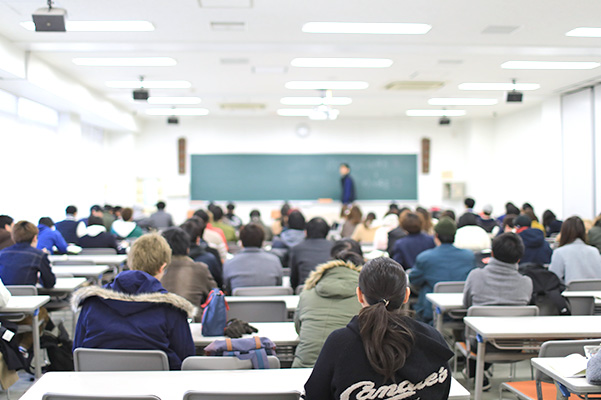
{"x":348,"y":186}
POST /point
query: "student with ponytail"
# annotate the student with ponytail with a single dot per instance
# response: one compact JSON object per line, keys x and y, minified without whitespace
{"x":382,"y":353}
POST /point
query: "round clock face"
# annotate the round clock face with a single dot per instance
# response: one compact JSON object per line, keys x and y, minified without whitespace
{"x":303,"y":130}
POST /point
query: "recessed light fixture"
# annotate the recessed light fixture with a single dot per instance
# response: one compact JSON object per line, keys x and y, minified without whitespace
{"x":177,"y":111}
{"x":335,"y":85}
{"x":435,"y":113}
{"x":341,"y":62}
{"x":499,"y":86}
{"x":374,"y":28}
{"x":316,"y":101}
{"x":174,"y":100}
{"x":149,"y":84}
{"x":550,"y":65}
{"x":585,"y":32}
{"x":101,"y":26}
{"x":125,"y":61}
{"x":455,"y":101}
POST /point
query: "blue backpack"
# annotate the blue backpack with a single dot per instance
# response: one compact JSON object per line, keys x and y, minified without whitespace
{"x":214,"y":315}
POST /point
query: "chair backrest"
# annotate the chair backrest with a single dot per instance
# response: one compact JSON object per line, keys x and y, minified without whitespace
{"x":299,"y":289}
{"x":582,"y":305}
{"x":97,"y":251}
{"x":196,"y":363}
{"x":562,"y":348}
{"x":585,"y":284}
{"x":258,"y":311}
{"x":22,"y":290}
{"x":263,"y":291}
{"x":192,"y":395}
{"x":449,"y":287}
{"x":119,"y":360}
{"x":59,"y":396}
{"x":73,"y":262}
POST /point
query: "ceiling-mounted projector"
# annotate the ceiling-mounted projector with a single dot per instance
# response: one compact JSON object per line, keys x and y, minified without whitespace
{"x":49,"y":19}
{"x":173,"y":120}
{"x":141,"y":94}
{"x":444,"y":121}
{"x":514,"y":97}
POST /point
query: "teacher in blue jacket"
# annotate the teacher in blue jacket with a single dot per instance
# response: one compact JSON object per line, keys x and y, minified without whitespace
{"x":348,"y":186}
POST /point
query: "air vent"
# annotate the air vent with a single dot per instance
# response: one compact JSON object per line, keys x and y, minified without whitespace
{"x":234,"y":61}
{"x":414,"y":85}
{"x":499,"y":29}
{"x":225,"y":3}
{"x":242,"y":106}
{"x":228,"y":26}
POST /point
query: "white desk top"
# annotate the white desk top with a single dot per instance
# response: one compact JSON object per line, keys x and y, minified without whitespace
{"x":110,"y":259}
{"x":291,"y":300}
{"x":63,"y":285}
{"x":25,"y":304}
{"x":446,"y":301}
{"x":542,"y":327}
{"x":582,"y":293}
{"x":86,"y":271}
{"x":281,"y":333}
{"x":575,"y":385}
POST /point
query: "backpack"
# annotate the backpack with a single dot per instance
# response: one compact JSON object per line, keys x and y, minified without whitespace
{"x":546,"y":290}
{"x":255,"y":349}
{"x":214,"y":315}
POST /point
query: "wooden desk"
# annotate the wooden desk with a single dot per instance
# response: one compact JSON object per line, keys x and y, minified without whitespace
{"x":29,"y":305}
{"x":98,"y":259}
{"x":575,"y":385}
{"x":491,"y":329}
{"x":94,"y":272}
{"x":281,"y":333}
{"x":63,"y":286}
{"x":442,"y":303}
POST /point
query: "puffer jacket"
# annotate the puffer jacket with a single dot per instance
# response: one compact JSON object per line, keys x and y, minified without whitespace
{"x":327,"y":303}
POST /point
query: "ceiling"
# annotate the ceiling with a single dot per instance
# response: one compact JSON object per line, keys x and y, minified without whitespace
{"x":221,"y":64}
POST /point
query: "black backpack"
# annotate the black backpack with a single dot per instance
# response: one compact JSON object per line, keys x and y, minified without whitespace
{"x":546,"y":290}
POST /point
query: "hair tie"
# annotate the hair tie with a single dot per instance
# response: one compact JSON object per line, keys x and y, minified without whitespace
{"x":384,"y":301}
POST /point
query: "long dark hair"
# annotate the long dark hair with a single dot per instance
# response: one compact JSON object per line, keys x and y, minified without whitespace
{"x":386,"y":338}
{"x":572,"y":229}
{"x":347,"y":249}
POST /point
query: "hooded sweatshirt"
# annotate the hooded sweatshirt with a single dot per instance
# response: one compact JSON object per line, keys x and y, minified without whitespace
{"x":134,"y":312}
{"x":289,"y":238}
{"x":48,"y":238}
{"x":126,"y":229}
{"x":537,"y":250}
{"x":96,"y":236}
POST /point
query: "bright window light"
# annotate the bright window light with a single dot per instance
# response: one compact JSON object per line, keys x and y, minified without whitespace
{"x":341,"y":62}
{"x":499,"y":86}
{"x":367,"y":28}
{"x":550,"y":65}
{"x":585,"y":32}
{"x":174,"y":100}
{"x":295,"y":112}
{"x":37,"y":112}
{"x":100,"y":26}
{"x":455,"y":101}
{"x":8,"y":102}
{"x":177,"y":111}
{"x":125,"y":62}
{"x":335,"y":85}
{"x":149,"y":84}
{"x":435,"y":113}
{"x":315,"y":101}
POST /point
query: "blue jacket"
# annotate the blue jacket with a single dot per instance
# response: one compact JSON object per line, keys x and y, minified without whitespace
{"x":68,"y":228}
{"x":406,"y":249}
{"x":348,"y":189}
{"x":537,"y":250}
{"x":134,"y":312}
{"x":20,"y":264}
{"x":441,"y":264}
{"x":48,"y":238}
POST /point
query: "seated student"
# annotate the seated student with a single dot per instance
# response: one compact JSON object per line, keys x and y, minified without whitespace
{"x":161,"y":219}
{"x":219,"y":222}
{"x":252,"y":266}
{"x":126,"y":228}
{"x":352,"y":219}
{"x":68,"y":226}
{"x":293,"y":234}
{"x":255,"y":218}
{"x":398,"y":232}
{"x":471,"y":236}
{"x":183,"y":276}
{"x":22,"y":263}
{"x":48,"y":238}
{"x":510,"y":209}
{"x":213,"y":236}
{"x":328,"y":301}
{"x":535,"y":224}
{"x":6,"y":224}
{"x":551,"y":224}
{"x":95,"y":211}
{"x":469,"y":213}
{"x":390,"y":222}
{"x":443,"y":263}
{"x":574,"y":259}
{"x":232,"y":218}
{"x":281,"y":222}
{"x":365,"y":232}
{"x":537,"y":250}
{"x":312,"y":251}
{"x":406,"y":249}
{"x":486,"y":222}
{"x":428,"y":227}
{"x":200,"y":250}
{"x":134,"y":311}
{"x":96,"y":236}
{"x":382,"y":351}
{"x":108,"y":217}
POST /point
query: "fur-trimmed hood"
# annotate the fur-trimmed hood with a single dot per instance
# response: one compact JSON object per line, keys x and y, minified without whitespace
{"x":335,"y":278}
{"x":132,"y":292}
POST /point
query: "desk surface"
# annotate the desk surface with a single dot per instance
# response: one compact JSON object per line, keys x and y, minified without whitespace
{"x":25,"y":304}
{"x":582,"y":293}
{"x":86,"y":271}
{"x":291,"y":300}
{"x":574,"y":385}
{"x":542,"y":327}
{"x":63,"y":285}
{"x":446,"y":301}
{"x":110,"y":259}
{"x":281,"y":333}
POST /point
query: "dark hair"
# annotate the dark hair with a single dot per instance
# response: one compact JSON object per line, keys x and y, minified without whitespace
{"x":383,"y":328}
{"x":548,"y":217}
{"x":508,"y":247}
{"x":446,"y":238}
{"x":46,"y":221}
{"x":255,"y":214}
{"x":127,"y":213}
{"x":469,"y":202}
{"x":93,"y":220}
{"x":317,"y":228}
{"x":527,"y":206}
{"x":369,"y":219}
{"x":572,"y":229}
{"x":296,"y":220}
{"x":108,"y":208}
{"x":252,"y":235}
{"x":5,"y":220}
{"x":530,"y":212}
{"x":426,"y":219}
{"x":194,"y":227}
{"x":345,"y":165}
{"x":347,"y":250}
{"x":95,"y":207}
{"x":117,"y":209}
{"x":510,"y":208}
{"x":412,"y":223}
{"x":70,"y":210}
{"x":23,"y":232}
{"x":393,"y":207}
{"x":509,"y":220}
{"x":161,"y":205}
{"x":230,"y":206}
{"x":202,"y":214}
{"x":448,"y":213}
{"x":217,"y":212}
{"x":178,"y":240}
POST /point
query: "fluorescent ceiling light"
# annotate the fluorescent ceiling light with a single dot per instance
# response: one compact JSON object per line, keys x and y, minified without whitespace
{"x":295,"y":112}
{"x":149,"y":84}
{"x":455,"y":101}
{"x":550,"y":65}
{"x":341,"y":62}
{"x":173,"y":100}
{"x":499,"y":86}
{"x":125,"y":61}
{"x":315,"y":101}
{"x":367,"y":28}
{"x":177,"y":111}
{"x":435,"y":113}
{"x":37,"y":112}
{"x":335,"y":85}
{"x":100,"y":26}
{"x":585,"y":32}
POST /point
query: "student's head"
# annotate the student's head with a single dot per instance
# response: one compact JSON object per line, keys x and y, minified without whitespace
{"x":202,"y":214}
{"x":412,"y":223}
{"x":445,"y":230}
{"x":527,"y":206}
{"x":178,"y":240}
{"x":508,"y":247}
{"x":194,"y":227}
{"x":107,"y":208}
{"x":344,"y":169}
{"x":386,"y":339}
{"x":487,"y":210}
{"x":95,"y":221}
{"x":24,"y":232}
{"x":426,"y":218}
{"x":230,"y":207}
{"x":47,"y":221}
{"x":511,"y":208}
{"x":393,"y":208}
{"x":469,"y":202}
{"x":572,"y":229}
{"x":522,"y":221}
{"x":317,"y":228}
{"x":161,"y":205}
{"x":530,"y":213}
{"x":548,"y":217}
{"x":117,"y":211}
{"x":255,"y":215}
{"x":96,"y":211}
{"x":217,"y":212}
{"x":369,"y":219}
{"x":252,"y":235}
{"x":296,"y":220}
{"x":448,"y":214}
{"x":6,"y":222}
{"x":355,"y":215}
{"x":127,"y":214}
{"x":71,"y":210}
{"x":149,"y":253}
{"x":347,"y":250}
{"x":508,"y":222}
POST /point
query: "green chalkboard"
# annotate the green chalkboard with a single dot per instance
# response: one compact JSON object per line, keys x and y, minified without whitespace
{"x":301,"y":176}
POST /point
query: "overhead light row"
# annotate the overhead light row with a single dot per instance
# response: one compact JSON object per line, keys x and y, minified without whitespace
{"x":100,"y":26}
